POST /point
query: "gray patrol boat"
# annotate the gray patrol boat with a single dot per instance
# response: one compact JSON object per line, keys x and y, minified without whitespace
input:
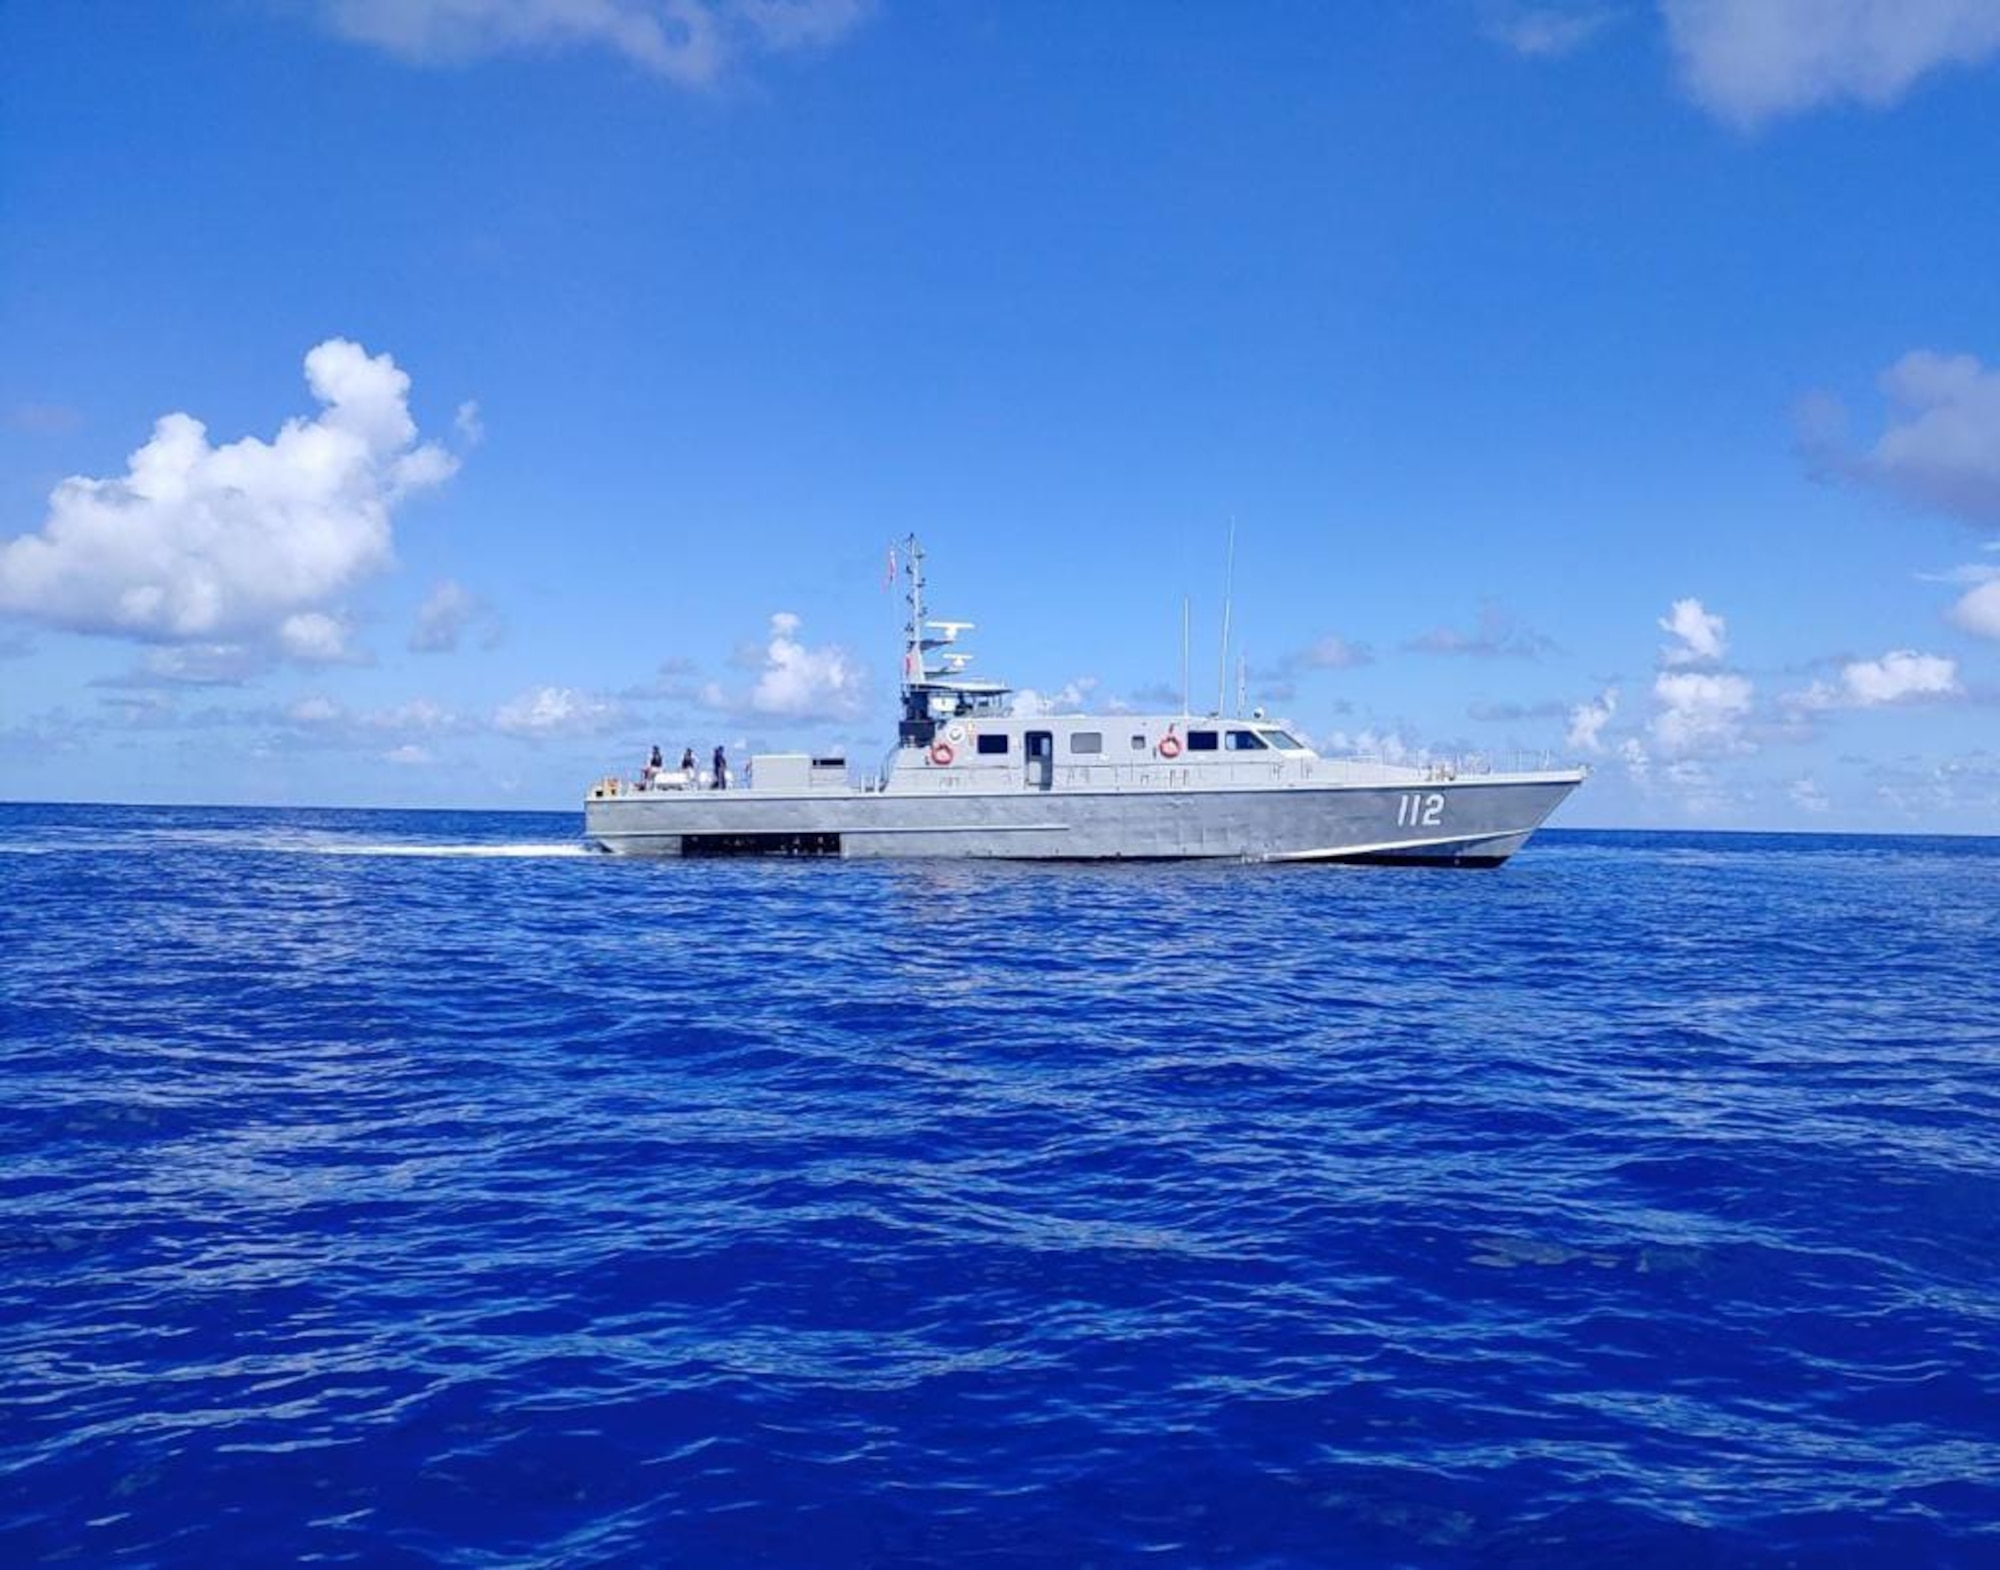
{"x":968,"y":778}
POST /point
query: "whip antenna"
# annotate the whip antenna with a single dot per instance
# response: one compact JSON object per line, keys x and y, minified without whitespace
{"x":1222,"y":655}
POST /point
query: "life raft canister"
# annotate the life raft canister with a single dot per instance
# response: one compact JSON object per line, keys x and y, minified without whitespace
{"x":941,"y":754}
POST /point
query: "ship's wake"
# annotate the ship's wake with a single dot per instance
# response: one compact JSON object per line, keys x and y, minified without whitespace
{"x":470,"y":852}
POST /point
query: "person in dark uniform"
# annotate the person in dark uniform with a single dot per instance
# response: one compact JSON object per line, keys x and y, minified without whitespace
{"x":721,"y":769}
{"x":656,"y":759}
{"x":687,"y":763}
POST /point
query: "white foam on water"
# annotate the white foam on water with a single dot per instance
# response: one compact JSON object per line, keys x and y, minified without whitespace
{"x":494,"y":852}
{"x":324,"y":843}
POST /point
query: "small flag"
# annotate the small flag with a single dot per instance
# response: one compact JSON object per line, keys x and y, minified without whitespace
{"x":889,"y":575}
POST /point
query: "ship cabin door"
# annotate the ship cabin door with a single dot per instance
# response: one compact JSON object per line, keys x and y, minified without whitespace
{"x":1040,"y":751}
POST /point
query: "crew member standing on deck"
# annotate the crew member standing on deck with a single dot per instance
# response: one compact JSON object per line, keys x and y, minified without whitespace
{"x":721,"y":769}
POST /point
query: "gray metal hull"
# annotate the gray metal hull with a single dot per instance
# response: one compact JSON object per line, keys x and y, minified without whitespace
{"x":1466,"y":822}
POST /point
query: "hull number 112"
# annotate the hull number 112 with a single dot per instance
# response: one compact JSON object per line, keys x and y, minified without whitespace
{"x":1418,"y":811}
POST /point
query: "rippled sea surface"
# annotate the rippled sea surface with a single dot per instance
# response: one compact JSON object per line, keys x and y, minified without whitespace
{"x":418,"y":1188}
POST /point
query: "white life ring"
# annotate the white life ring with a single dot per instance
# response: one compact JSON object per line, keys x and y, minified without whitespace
{"x":1170,"y":745}
{"x":941,"y":754}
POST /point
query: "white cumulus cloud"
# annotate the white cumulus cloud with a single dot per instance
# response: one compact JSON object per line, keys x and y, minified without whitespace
{"x":1749,"y":61}
{"x":556,"y":711}
{"x":1979,"y":611}
{"x":313,"y":638}
{"x":197,"y":665}
{"x":1941,"y":448}
{"x":800,"y":682}
{"x":690,"y":42}
{"x":247,"y":541}
{"x":1070,"y":699}
{"x":335,"y":723}
{"x":1700,"y":712}
{"x":1587,"y":721}
{"x":1700,"y":637}
{"x":1900,"y":676}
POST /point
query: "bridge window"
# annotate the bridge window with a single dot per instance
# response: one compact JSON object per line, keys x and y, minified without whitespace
{"x":1284,"y":741}
{"x":992,"y":746}
{"x":1086,"y":741}
{"x":1246,"y":741}
{"x":1201,"y":741}
{"x":1138,"y":743}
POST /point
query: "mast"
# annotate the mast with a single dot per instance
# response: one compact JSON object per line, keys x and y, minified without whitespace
{"x":917,"y":726}
{"x":935,"y":686}
{"x":913,"y":654}
{"x":1222,"y":654}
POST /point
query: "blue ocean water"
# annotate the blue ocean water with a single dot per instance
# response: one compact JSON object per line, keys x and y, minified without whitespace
{"x":416,"y":1188}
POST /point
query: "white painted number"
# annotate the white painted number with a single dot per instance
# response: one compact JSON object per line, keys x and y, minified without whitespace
{"x":1418,"y":811}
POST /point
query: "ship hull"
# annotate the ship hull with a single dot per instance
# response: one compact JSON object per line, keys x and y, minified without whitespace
{"x":1465,"y":822}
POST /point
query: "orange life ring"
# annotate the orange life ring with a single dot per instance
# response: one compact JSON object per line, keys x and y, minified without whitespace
{"x":1170,"y":746}
{"x":941,"y":754}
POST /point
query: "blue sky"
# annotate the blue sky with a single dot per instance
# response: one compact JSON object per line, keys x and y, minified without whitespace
{"x":1612,"y":380}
